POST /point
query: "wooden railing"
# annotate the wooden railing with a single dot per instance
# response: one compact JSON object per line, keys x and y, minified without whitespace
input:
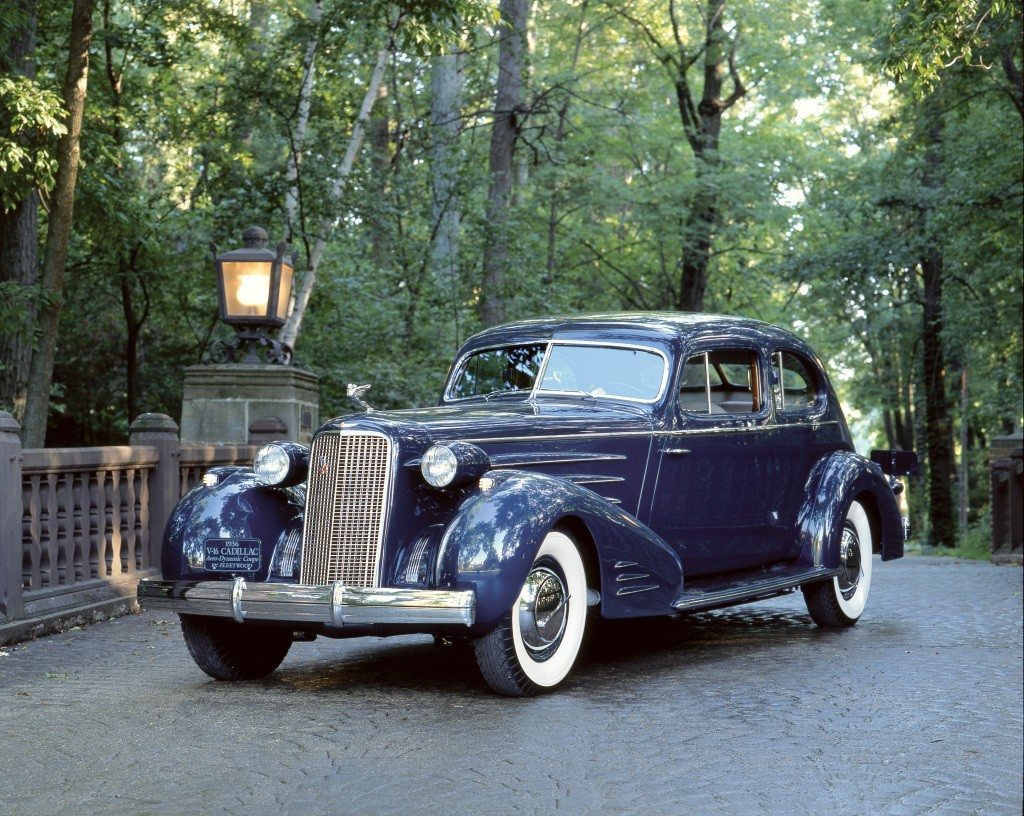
{"x":80,"y":526}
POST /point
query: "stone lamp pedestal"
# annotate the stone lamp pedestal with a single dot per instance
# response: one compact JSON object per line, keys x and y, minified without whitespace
{"x":222,"y":402}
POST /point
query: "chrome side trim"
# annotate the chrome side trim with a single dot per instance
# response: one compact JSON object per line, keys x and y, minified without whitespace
{"x":619,"y":434}
{"x":633,"y":589}
{"x":333,"y":605}
{"x":589,"y":479}
{"x":501,"y":460}
{"x":514,"y":460}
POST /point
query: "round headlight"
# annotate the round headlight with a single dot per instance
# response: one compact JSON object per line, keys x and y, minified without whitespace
{"x":281,"y":464}
{"x":439,"y":466}
{"x":451,"y":464}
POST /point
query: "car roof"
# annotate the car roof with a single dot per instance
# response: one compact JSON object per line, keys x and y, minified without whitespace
{"x":650,"y":325}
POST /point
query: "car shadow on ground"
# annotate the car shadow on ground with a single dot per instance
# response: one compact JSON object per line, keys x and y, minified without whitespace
{"x":653,"y":644}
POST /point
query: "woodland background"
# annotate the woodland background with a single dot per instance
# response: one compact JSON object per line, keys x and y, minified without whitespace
{"x":848,"y":168}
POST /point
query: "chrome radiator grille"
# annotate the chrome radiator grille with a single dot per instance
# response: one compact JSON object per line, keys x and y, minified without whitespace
{"x":346,"y":503}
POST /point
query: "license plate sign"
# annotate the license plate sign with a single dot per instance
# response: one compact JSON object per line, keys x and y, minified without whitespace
{"x":233,"y":555}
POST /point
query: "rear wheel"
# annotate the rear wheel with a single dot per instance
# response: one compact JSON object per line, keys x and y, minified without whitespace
{"x":840,"y":602}
{"x":535,"y":646}
{"x":227,"y":650}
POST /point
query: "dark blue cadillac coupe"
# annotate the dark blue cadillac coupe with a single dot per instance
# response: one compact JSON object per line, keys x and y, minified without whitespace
{"x":614,"y":466}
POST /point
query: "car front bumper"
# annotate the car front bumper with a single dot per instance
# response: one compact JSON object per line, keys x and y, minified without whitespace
{"x":333,"y":605}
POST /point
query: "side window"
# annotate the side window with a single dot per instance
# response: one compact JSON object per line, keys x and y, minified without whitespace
{"x":799,"y":389}
{"x":722,"y":381}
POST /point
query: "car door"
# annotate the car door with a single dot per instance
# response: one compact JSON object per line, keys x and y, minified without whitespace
{"x":799,"y":403}
{"x":713,"y":495}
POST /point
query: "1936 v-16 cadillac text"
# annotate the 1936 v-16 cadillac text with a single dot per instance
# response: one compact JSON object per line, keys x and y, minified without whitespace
{"x":621,"y":466}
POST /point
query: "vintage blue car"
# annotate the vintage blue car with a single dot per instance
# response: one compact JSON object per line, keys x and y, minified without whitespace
{"x":612,"y":466}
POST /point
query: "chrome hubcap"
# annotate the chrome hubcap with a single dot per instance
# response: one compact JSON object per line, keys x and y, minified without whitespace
{"x":849,"y":563}
{"x":543,"y":609}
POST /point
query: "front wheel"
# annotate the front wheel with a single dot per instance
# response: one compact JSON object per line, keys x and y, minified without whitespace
{"x":227,"y":650}
{"x":840,"y":602}
{"x":535,"y":645}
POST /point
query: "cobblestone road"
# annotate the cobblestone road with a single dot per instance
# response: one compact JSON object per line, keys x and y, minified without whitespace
{"x":916,"y":710}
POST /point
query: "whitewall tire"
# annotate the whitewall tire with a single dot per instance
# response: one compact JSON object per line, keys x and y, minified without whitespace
{"x":840,"y":602}
{"x":534,"y":647}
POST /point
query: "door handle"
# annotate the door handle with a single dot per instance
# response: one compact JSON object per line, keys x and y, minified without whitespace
{"x":677,"y":451}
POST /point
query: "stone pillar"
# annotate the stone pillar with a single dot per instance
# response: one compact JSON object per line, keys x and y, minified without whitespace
{"x":11,"y":605}
{"x":161,"y":432}
{"x":221,"y":402}
{"x":267,"y":429}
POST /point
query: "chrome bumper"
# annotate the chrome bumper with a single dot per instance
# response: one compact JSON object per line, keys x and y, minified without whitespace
{"x":333,"y":605}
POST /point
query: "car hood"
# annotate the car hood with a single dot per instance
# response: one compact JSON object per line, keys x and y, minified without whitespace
{"x":497,"y":419}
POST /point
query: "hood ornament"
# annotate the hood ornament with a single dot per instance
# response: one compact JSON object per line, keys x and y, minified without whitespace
{"x":355,"y":393}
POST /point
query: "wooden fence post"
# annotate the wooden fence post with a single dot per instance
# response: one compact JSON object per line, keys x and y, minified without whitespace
{"x":11,"y":606}
{"x":160,"y":431}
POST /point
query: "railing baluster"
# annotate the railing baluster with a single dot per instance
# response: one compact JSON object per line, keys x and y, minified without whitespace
{"x":85,"y":518}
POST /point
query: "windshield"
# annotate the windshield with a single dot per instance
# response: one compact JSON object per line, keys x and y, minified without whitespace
{"x":495,"y":371}
{"x":594,"y":371}
{"x":627,"y":373}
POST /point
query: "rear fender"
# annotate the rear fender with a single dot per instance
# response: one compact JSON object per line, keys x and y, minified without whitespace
{"x":493,"y":541}
{"x":835,"y":482}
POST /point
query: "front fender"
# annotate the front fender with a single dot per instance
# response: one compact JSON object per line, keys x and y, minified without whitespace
{"x":836,"y":481}
{"x":237,"y":507}
{"x":493,"y":541}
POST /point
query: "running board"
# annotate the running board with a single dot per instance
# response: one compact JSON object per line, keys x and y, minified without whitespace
{"x":743,"y":587}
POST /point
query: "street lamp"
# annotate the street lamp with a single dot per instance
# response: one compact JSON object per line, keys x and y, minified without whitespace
{"x":254,"y":287}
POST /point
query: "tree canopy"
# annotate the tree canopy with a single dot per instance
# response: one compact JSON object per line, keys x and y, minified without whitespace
{"x":851,"y":170}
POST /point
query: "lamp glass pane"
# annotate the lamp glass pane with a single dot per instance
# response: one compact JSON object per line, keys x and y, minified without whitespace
{"x":246,"y":287}
{"x":284,"y":299}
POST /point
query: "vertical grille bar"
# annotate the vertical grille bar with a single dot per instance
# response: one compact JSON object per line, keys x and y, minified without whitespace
{"x":346,"y":504}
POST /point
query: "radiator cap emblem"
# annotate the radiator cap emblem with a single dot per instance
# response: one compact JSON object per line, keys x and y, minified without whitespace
{"x":355,"y":393}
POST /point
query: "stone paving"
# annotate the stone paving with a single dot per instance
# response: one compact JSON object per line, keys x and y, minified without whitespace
{"x":916,"y":710}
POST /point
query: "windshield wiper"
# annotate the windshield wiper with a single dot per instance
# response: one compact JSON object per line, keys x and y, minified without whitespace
{"x":501,"y":392}
{"x":561,"y":392}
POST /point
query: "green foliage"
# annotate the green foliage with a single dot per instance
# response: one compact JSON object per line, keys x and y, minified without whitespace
{"x":927,"y":38}
{"x":824,"y":208}
{"x":31,"y":118}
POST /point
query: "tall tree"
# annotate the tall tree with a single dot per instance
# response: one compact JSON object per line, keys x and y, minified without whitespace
{"x":290,"y":332}
{"x":508,"y":122}
{"x":297,"y":135}
{"x":938,"y":424}
{"x":58,"y":234}
{"x":701,"y":117}
{"x":446,"y":80}
{"x":19,"y":235}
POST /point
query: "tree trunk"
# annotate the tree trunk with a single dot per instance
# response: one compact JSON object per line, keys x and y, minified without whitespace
{"x":127,"y":258}
{"x":1014,"y":78}
{"x":378,"y":144}
{"x":938,"y":430}
{"x":554,"y":197}
{"x":290,"y":332}
{"x":963,"y":487}
{"x":19,"y":239}
{"x":938,"y":425}
{"x":293,"y":196}
{"x":445,"y":127}
{"x":58,"y":234}
{"x":508,"y":114}
{"x":702,"y":125}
